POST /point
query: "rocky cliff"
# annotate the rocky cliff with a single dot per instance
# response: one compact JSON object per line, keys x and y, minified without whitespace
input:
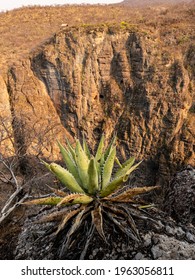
{"x":110,"y":78}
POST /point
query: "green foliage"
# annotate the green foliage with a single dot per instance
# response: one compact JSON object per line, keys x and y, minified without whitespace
{"x":96,"y":191}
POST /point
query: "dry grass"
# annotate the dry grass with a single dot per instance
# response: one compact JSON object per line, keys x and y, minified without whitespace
{"x":23,"y":29}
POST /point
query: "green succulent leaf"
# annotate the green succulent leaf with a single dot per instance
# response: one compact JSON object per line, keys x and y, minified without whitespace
{"x":82,"y":164}
{"x":108,"y":167}
{"x":70,"y":149}
{"x":70,"y":163}
{"x":112,"y":186}
{"x":100,"y":149}
{"x":110,"y":147}
{"x":118,"y":162}
{"x":75,"y":199}
{"x":131,"y":170}
{"x":128,"y":162}
{"x":93,"y":177}
{"x":66,"y":178}
{"x":118,"y":181}
{"x":125,"y":167}
{"x":47,"y":165}
{"x":85,"y":148}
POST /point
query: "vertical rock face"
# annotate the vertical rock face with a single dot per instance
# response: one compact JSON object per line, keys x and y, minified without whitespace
{"x":6,"y":132}
{"x":35,"y":121}
{"x":112,"y":80}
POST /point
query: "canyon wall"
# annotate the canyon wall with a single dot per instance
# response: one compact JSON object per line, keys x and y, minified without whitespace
{"x":106,"y":78}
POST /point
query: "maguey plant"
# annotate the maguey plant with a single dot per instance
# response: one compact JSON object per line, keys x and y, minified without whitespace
{"x":97,"y":195}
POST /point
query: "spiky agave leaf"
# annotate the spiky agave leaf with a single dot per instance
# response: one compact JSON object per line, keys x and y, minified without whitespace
{"x":129,"y":194}
{"x":76,"y":199}
{"x":118,"y":162}
{"x":141,"y":214}
{"x":115,"y":184}
{"x":130,"y":220}
{"x":100,"y":166}
{"x":47,"y":165}
{"x":125,"y":167}
{"x":110,"y":147}
{"x":52,"y":200}
{"x":66,"y":178}
{"x":108,"y":168}
{"x":70,"y":149}
{"x":86,"y":148}
{"x":118,"y":181}
{"x":89,"y":235}
{"x":82,"y":164}
{"x":70,"y":163}
{"x":93,"y":177}
{"x":100,"y":149}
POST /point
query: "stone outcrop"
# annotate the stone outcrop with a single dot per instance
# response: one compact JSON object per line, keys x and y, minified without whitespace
{"x":107,"y":78}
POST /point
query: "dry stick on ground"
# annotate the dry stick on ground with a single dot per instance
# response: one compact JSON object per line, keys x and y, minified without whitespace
{"x":14,"y":131}
{"x":9,"y":206}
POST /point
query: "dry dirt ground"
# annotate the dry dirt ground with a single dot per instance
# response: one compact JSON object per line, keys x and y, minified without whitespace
{"x":22,"y":238}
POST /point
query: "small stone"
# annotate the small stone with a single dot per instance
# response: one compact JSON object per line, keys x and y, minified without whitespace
{"x":147,"y":239}
{"x":155,"y":240}
{"x":180,"y":233}
{"x":157,"y":253}
{"x":139,"y":256}
{"x":169,"y":230}
{"x":190,"y":237}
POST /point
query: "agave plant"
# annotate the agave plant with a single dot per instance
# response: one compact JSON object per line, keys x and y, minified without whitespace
{"x":95,"y":192}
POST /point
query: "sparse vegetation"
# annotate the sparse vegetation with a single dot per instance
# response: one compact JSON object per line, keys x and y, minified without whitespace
{"x":24,"y":29}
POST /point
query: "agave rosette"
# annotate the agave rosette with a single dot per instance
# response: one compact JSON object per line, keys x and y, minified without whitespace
{"x":95,"y":190}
